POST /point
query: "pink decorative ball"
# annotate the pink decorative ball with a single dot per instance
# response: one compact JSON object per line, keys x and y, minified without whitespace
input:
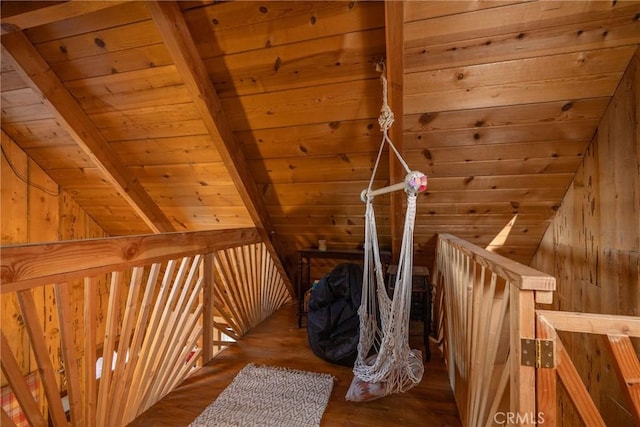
{"x":416,"y":182}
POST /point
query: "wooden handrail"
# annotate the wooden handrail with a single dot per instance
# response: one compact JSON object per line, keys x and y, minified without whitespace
{"x":26,"y":266}
{"x":495,"y":340}
{"x":163,"y":303}
{"x":592,"y":323}
{"x":486,"y":303}
{"x":522,"y":276}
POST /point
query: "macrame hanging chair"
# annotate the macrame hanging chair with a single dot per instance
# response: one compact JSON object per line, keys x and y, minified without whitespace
{"x":385,"y":363}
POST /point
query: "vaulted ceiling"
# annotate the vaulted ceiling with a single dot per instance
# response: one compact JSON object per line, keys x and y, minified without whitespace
{"x":162,"y":116}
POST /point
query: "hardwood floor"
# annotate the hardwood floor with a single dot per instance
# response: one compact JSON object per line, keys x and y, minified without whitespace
{"x":279,"y":342}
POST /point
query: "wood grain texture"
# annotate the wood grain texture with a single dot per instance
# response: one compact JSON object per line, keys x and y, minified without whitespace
{"x":591,"y":244}
{"x":530,"y":69}
{"x":525,"y":278}
{"x":394,"y":73}
{"x":572,"y":37}
{"x":169,"y":19}
{"x":576,"y":389}
{"x":628,"y":370}
{"x":25,"y":266}
{"x":19,"y":386}
{"x":41,"y":213}
{"x":312,"y":140}
{"x":431,"y":401}
{"x":513,"y":18}
{"x":35,"y":70}
{"x":305,"y":21}
{"x":41,"y":351}
{"x":546,"y":379}
{"x":344,"y":57}
{"x":153,"y":324}
{"x":490,"y":93}
{"x":353,"y":100}
{"x":53,"y":13}
{"x":505,"y":98}
{"x":126,"y":12}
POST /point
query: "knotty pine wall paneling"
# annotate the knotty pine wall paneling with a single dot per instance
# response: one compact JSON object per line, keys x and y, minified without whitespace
{"x":35,"y":209}
{"x":592,"y":246}
{"x":14,"y":225}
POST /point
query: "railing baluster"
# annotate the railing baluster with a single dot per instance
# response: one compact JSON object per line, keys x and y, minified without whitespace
{"x":150,"y":343}
{"x":179,"y":366}
{"x":488,"y":306}
{"x":243,"y":279}
{"x":45,"y":366}
{"x":493,"y":336}
{"x":110,"y":332}
{"x":90,"y":321}
{"x":72,"y":373}
{"x":124,"y":353}
{"x":6,"y":420}
{"x":167,"y":329}
{"x":18,"y":384}
{"x":227,"y":289}
{"x":207,"y":302}
{"x":136,"y":342}
{"x":185,"y":322}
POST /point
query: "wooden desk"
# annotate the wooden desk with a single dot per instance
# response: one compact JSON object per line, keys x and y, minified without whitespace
{"x":304,"y":277}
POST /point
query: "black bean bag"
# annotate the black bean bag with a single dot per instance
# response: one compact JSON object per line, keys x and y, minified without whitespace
{"x":333,"y":325}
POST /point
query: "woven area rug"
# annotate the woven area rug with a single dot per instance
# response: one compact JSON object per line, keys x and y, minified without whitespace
{"x":269,"y":396}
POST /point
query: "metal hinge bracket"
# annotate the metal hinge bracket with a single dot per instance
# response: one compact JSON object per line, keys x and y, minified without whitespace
{"x":536,"y":352}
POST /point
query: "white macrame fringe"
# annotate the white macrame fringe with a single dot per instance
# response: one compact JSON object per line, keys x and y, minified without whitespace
{"x":384,"y":321}
{"x":396,"y":364}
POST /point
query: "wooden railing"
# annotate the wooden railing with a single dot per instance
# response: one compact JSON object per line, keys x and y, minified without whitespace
{"x":154,"y":307}
{"x":486,"y":304}
{"x":616,"y":332}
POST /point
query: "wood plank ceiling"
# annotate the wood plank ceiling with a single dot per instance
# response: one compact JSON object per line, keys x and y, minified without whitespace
{"x":209,"y":115}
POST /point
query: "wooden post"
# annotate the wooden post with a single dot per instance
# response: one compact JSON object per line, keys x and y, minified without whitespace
{"x":207,"y":313}
{"x":394,"y":35}
{"x":522,"y":385}
{"x":546,"y":378}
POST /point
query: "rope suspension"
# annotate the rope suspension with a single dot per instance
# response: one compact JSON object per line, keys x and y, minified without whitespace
{"x":415,"y":181}
{"x":384,"y":322}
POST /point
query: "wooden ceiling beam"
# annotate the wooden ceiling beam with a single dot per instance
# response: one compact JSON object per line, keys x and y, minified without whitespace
{"x":178,"y":40}
{"x":394,"y":36}
{"x":34,"y":70}
{"x":27,"y":16}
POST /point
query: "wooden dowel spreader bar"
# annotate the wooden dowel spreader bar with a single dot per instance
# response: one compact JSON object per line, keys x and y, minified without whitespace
{"x":415,"y":182}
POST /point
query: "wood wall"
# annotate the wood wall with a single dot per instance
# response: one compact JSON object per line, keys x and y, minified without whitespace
{"x":592,"y":246}
{"x":34,"y":210}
